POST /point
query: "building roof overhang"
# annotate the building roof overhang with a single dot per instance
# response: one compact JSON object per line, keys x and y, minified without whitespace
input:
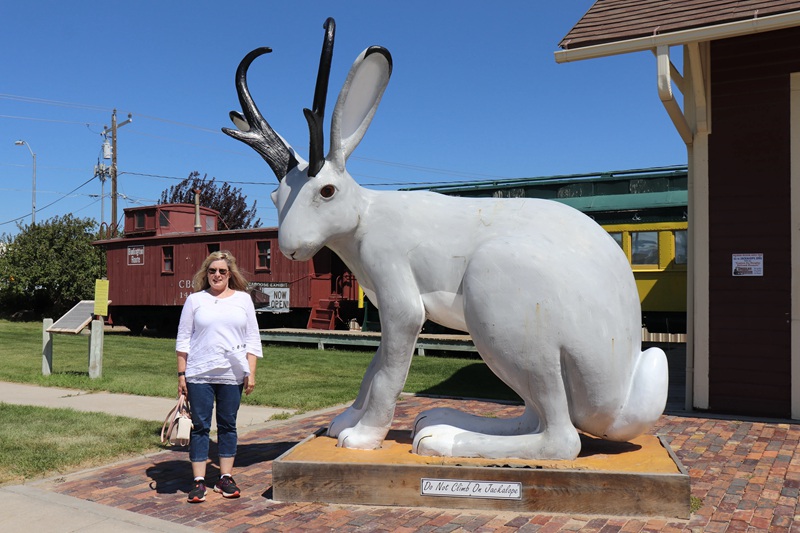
{"x":681,"y":37}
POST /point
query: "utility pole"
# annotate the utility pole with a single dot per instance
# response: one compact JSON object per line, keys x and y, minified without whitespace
{"x":114,"y":127}
{"x":114,"y":173}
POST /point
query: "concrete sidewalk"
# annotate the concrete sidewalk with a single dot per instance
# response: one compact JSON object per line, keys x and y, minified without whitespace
{"x":142,"y":407}
{"x":26,"y":507}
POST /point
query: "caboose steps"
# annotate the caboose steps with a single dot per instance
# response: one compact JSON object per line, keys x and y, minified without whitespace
{"x":323,"y":315}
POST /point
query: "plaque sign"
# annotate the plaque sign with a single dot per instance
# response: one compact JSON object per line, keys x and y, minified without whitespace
{"x":461,"y":488}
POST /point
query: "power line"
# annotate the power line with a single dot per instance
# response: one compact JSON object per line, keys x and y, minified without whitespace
{"x":44,"y":101}
{"x":51,"y":203}
{"x":269,"y":182}
{"x":428,"y":169}
{"x":177,"y":123}
{"x":36,"y":119}
{"x":204,"y":146}
{"x":92,"y":107}
{"x":90,"y":204}
{"x":385,"y":183}
{"x":161,"y":176}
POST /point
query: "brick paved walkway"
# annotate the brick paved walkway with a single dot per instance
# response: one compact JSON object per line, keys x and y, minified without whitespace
{"x":747,"y":475}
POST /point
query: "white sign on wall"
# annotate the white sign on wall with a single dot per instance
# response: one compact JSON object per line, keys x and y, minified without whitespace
{"x":270,"y":297}
{"x":136,"y":255}
{"x":461,"y":488}
{"x":747,"y":265}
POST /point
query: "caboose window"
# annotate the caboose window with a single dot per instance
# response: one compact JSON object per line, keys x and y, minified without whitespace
{"x":138,"y":221}
{"x":617,"y":237}
{"x":168,"y":262}
{"x":163,"y":219}
{"x":264,"y":255}
{"x":680,"y":247}
{"x":644,"y":247}
{"x":213,"y":247}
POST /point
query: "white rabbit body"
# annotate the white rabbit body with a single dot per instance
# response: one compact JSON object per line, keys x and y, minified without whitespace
{"x":546,"y":294}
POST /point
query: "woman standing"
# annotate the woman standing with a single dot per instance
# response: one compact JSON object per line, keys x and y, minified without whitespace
{"x":218,"y":345}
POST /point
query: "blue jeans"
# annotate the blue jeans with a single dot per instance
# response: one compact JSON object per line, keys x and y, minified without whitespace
{"x":201,"y":400}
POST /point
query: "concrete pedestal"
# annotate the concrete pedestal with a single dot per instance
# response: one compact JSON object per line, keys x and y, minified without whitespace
{"x":642,"y":477}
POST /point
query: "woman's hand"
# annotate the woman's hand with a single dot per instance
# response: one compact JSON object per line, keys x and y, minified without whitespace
{"x":250,"y":379}
{"x":249,"y":383}
{"x":182,"y":389}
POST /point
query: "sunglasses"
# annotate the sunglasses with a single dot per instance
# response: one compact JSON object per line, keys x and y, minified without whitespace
{"x":212,"y":271}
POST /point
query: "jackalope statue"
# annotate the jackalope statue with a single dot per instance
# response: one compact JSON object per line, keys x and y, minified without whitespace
{"x":546,"y":294}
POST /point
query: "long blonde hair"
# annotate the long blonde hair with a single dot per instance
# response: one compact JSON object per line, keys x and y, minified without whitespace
{"x":236,"y":281}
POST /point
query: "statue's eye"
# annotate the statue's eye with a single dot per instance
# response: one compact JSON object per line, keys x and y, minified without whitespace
{"x":327,"y":191}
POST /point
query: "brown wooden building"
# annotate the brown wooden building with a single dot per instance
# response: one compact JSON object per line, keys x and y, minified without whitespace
{"x":740,"y":120}
{"x":150,"y":270}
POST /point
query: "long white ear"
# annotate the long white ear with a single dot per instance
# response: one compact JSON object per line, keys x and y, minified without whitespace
{"x":358,"y":101}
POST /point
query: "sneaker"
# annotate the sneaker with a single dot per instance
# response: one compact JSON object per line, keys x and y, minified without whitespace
{"x":198,"y":493}
{"x":227,"y":487}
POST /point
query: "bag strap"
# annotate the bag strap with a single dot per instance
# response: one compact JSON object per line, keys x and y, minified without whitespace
{"x":169,"y":422}
{"x":185,"y":407}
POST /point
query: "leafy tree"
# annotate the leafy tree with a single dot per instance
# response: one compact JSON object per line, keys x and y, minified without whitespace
{"x":49,"y":267}
{"x":229,"y":201}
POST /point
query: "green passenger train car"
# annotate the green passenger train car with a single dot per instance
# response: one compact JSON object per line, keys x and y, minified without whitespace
{"x":645,"y":210}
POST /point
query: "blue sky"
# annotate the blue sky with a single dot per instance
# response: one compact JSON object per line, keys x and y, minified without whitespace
{"x":475,"y":94}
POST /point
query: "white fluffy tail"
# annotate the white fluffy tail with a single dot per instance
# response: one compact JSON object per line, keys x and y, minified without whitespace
{"x":647,"y":397}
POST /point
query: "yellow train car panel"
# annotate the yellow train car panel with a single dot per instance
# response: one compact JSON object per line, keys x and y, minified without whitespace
{"x":657,"y":253}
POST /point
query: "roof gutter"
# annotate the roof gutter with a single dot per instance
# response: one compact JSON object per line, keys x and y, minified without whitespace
{"x":707,"y":33}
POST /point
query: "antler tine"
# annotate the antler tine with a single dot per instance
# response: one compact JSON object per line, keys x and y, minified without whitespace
{"x":316,"y":117}
{"x":253,"y":129}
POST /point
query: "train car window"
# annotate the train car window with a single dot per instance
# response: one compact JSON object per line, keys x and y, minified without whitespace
{"x":163,"y":219}
{"x":139,"y":221}
{"x":168,"y":265}
{"x":617,"y":237}
{"x":210,"y":224}
{"x":680,"y":247}
{"x":213,"y":247}
{"x":644,"y":247}
{"x":264,"y":255}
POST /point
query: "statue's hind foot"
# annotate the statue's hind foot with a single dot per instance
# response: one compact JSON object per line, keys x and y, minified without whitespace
{"x":448,"y":441}
{"x":527,"y":422}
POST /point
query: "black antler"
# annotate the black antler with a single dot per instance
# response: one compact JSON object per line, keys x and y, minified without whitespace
{"x":253,"y":129}
{"x":315,"y":118}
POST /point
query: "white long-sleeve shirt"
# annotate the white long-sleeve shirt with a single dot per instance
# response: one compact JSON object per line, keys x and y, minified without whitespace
{"x":218,"y":333}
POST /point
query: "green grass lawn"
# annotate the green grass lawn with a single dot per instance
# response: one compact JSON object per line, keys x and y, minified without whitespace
{"x":37,"y":441}
{"x":296,"y":378}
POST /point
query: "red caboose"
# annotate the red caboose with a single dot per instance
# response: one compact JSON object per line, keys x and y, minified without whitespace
{"x":150,"y":271}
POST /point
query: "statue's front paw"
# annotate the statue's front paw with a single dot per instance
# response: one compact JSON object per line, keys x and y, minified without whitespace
{"x":362,"y":437}
{"x":344,"y":420}
{"x":436,"y":440}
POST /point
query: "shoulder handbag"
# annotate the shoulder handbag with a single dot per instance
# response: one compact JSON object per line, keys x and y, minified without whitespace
{"x":177,"y":428}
